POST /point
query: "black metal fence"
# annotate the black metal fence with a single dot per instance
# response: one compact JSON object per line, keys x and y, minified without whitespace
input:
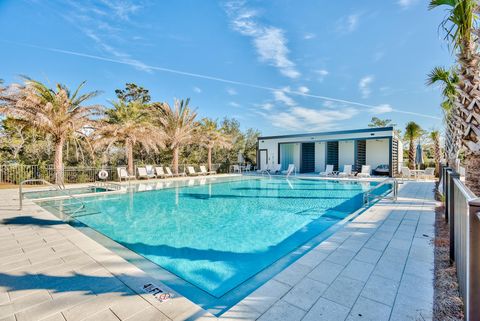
{"x":462,"y":212}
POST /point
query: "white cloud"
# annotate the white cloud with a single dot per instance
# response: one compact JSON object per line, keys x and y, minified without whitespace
{"x":309,"y":35}
{"x":382,"y":109}
{"x":364,"y":86}
{"x":309,"y":119}
{"x":270,"y":42}
{"x":121,"y":8}
{"x":266,"y":106}
{"x":234,"y":104}
{"x":231,"y":91}
{"x":197,"y":90}
{"x":280,"y":95}
{"x":303,"y":89}
{"x":406,"y":3}
{"x":348,"y":23}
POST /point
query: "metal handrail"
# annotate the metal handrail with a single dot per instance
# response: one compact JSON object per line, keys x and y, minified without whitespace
{"x":110,"y":185}
{"x":58,"y":188}
{"x":368,"y":197}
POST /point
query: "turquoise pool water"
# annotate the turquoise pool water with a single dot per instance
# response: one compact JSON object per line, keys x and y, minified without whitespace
{"x":217,"y":234}
{"x":70,"y":191}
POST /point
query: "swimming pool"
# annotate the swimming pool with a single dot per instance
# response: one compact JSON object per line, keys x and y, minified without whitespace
{"x":217,"y":234}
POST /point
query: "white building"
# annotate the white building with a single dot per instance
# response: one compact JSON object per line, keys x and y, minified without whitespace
{"x":311,"y":152}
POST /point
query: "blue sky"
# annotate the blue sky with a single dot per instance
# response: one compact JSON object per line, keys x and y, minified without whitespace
{"x":279,"y":66}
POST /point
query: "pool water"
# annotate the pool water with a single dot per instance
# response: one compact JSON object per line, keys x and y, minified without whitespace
{"x":217,"y":234}
{"x":70,"y":191}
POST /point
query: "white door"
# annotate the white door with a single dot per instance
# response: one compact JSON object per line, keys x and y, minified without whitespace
{"x":263,"y":159}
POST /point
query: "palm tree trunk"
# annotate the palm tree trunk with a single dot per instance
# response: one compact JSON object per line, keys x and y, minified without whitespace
{"x":411,"y":155}
{"x":437,"y":156}
{"x":472,"y":172}
{"x":129,"y":151}
{"x":58,"y":162}
{"x":175,"y":160}
{"x":209,"y":158}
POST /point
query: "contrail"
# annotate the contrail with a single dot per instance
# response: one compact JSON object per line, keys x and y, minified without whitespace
{"x":218,"y":79}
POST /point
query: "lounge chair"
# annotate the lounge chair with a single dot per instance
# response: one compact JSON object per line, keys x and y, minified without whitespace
{"x":365,"y":172}
{"x":150,"y":171}
{"x":237,"y":169}
{"x":328,"y":171}
{"x":407,"y":173}
{"x":191,"y":171}
{"x":204,"y":171}
{"x":347,"y":171}
{"x":169,"y":172}
{"x":142,"y":173}
{"x":261,"y":171}
{"x":248,"y":168}
{"x":159,"y":172}
{"x":429,"y":173}
{"x":276,"y":169}
{"x":123,"y":174}
{"x":290,"y":170}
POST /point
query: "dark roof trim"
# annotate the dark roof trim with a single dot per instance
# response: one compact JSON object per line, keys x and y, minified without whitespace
{"x":352,"y":131}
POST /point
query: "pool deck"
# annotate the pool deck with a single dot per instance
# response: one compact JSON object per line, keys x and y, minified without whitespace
{"x":377,"y":267}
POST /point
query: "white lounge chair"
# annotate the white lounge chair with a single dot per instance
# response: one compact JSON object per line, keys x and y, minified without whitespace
{"x":237,"y":169}
{"x":204,"y":171}
{"x":123,"y":174}
{"x":290,"y":170}
{"x":248,"y":168}
{"x":169,"y":172}
{"x":261,"y":170}
{"x":365,"y":172}
{"x":328,"y":171}
{"x":429,"y":173}
{"x":407,"y":173}
{"x":142,"y":173}
{"x":150,"y":171}
{"x":191,"y":171}
{"x":159,"y":171}
{"x":276,"y":169}
{"x":347,"y":171}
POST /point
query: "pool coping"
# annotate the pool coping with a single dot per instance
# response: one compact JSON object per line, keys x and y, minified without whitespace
{"x":214,"y":305}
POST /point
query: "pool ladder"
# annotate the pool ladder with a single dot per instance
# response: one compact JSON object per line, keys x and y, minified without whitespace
{"x":368,"y":196}
{"x":57,"y":187}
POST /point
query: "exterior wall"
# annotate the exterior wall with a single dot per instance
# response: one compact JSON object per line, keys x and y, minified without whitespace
{"x":378,"y":152}
{"x":400,"y":155}
{"x":346,"y":153}
{"x":320,"y":157}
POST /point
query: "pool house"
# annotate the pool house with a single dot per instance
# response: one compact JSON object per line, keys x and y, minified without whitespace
{"x":311,"y":152}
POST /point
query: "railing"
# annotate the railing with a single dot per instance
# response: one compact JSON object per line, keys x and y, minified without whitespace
{"x":369,"y":196}
{"x":108,"y":185}
{"x":16,"y":173}
{"x":462,"y":212}
{"x":56,"y":187}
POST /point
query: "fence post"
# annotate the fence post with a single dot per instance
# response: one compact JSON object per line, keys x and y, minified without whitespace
{"x":473,"y":272}
{"x":446,"y":190}
{"x":451,"y":211}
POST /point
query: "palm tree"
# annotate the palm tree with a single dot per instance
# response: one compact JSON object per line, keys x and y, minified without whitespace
{"x":435,"y":137}
{"x":448,"y":79}
{"x":57,"y":112}
{"x":210,"y":136}
{"x":412,"y":132}
{"x":178,"y":124}
{"x":129,"y":124}
{"x":460,"y":26}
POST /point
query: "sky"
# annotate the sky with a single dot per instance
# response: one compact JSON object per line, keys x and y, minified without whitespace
{"x":282,"y":67}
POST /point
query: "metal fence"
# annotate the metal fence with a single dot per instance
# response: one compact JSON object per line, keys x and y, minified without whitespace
{"x":462,"y":212}
{"x":16,"y":173}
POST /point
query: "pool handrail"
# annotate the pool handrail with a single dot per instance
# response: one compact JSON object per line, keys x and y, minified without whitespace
{"x":368,"y":197}
{"x":56,"y":187}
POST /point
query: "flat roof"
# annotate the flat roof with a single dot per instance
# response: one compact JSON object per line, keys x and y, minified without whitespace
{"x":351,"y":131}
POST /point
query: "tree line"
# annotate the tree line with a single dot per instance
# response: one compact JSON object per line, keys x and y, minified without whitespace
{"x":42,"y":124}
